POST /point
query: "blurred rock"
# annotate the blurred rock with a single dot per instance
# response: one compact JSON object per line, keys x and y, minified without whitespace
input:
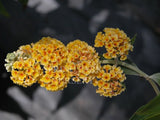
{"x":9,"y":116}
{"x":43,"y":6}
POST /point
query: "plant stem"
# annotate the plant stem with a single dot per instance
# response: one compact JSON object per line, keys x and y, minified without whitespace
{"x":154,"y":86}
{"x":137,"y":70}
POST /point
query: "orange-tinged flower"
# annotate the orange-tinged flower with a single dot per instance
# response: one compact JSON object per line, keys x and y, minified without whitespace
{"x":19,"y":64}
{"x":119,"y":75}
{"x":61,"y":75}
{"x":123,"y":57}
{"x":109,"y":45}
{"x":76,"y":79}
{"x":36,"y":74}
{"x":100,"y":74}
{"x":106,"y":86}
{"x":26,"y":64}
{"x":45,"y":79}
{"x":100,"y":83}
{"x":55,"y":82}
{"x":98,"y":43}
{"x":53,"y":58}
{"x":107,"y":55}
{"x":49,"y":73}
{"x":29,"y":71}
{"x":107,"y":67}
{"x":15,"y":65}
{"x":37,"y":66}
{"x":17,"y":81}
{"x":44,"y":61}
{"x":112,"y":73}
{"x":95,"y":82}
{"x":106,"y":77}
{"x":38,"y":58}
{"x":21,"y":75}
{"x":14,"y":73}
{"x":61,"y":85}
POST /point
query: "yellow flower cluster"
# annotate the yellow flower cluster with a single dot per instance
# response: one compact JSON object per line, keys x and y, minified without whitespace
{"x":52,"y":64}
{"x":109,"y":81}
{"x":52,"y":55}
{"x":42,"y":62}
{"x":116,"y":43}
{"x":25,"y":71}
{"x":82,"y":62}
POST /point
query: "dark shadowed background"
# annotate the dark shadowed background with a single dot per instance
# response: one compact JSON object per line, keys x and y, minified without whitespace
{"x":68,"y":20}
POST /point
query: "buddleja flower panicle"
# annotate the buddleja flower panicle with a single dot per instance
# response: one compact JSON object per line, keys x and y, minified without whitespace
{"x":52,"y":64}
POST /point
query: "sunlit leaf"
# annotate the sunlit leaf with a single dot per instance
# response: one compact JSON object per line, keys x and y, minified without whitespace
{"x":156,"y":78}
{"x":150,"y":111}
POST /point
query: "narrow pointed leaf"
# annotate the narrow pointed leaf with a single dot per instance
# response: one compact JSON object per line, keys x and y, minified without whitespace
{"x":133,"y":39}
{"x":150,"y":111}
{"x":129,"y":71}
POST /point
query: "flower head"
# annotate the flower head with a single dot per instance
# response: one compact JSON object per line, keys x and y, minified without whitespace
{"x":24,"y":70}
{"x":109,"y":81}
{"x":82,"y":62}
{"x":54,"y":81}
{"x":49,"y":51}
{"x":116,"y":43}
{"x":51,"y":54}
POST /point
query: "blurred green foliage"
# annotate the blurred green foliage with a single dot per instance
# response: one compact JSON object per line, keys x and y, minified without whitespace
{"x":5,"y":13}
{"x":3,"y":10}
{"x":23,"y":2}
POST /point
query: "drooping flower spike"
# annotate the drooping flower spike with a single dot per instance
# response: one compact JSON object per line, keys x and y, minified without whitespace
{"x":52,"y":64}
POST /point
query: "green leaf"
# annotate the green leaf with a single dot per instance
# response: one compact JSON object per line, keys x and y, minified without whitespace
{"x":23,"y":2}
{"x":3,"y":10}
{"x":129,"y":71}
{"x":133,"y":39}
{"x":150,"y":111}
{"x":156,"y":78}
